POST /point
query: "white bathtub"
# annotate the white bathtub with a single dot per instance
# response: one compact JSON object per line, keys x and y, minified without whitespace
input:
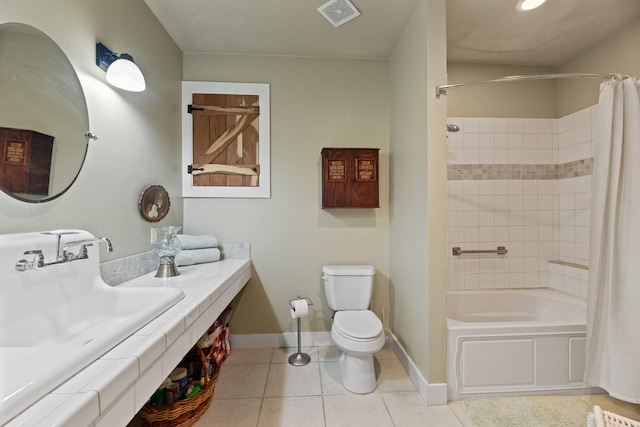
{"x":520,"y":341}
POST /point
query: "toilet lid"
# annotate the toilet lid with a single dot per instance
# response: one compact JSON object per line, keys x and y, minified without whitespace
{"x":360,"y":324}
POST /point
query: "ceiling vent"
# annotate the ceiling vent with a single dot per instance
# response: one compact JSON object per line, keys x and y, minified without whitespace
{"x":338,"y":11}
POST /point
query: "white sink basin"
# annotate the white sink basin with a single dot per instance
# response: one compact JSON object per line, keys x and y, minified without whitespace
{"x":101,"y":312}
{"x":57,"y":320}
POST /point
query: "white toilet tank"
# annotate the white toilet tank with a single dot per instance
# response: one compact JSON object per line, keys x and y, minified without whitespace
{"x":348,"y":287}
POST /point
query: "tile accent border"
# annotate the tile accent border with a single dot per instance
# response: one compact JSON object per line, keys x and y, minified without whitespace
{"x":519,"y":171}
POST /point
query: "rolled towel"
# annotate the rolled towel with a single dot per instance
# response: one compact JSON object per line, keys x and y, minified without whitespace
{"x":197,"y":256}
{"x":197,"y":242}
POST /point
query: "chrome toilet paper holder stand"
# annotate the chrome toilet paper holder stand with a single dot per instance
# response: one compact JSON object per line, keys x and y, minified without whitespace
{"x":299,"y":358}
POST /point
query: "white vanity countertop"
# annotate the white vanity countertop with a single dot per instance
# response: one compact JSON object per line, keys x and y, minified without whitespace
{"x":111,"y":390}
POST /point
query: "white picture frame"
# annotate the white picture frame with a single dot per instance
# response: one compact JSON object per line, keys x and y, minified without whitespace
{"x":262,"y":90}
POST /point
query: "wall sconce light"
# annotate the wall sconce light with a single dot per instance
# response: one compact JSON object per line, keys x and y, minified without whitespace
{"x":122,"y":72}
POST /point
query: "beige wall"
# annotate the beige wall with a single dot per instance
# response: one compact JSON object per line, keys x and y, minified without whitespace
{"x":139,"y":132}
{"x":616,"y":54}
{"x":315,"y":103}
{"x":437,"y":192}
{"x":543,"y":98}
{"x":418,"y":191}
{"x":513,"y":99}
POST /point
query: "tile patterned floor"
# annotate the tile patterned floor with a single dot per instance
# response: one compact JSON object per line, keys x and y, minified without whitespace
{"x":258,"y":387}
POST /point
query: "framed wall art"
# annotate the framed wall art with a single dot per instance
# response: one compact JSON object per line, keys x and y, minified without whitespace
{"x":225,"y":140}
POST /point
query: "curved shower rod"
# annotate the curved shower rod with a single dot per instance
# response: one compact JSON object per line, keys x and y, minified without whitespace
{"x":442,"y":89}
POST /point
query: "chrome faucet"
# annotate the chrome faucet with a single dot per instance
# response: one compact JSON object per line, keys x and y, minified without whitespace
{"x":66,"y":256}
{"x":63,"y":255}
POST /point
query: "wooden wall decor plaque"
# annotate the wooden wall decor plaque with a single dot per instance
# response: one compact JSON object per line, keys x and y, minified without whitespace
{"x":154,"y":203}
{"x":366,"y":170}
{"x":25,"y":161}
{"x":15,"y":152}
{"x":350,"y":178}
{"x":226,"y":140}
{"x":337,"y":170}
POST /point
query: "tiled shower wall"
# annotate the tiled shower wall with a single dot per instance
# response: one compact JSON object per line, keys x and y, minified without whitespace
{"x":524,"y":184}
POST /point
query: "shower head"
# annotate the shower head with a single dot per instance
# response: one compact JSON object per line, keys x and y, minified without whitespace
{"x":452,"y":128}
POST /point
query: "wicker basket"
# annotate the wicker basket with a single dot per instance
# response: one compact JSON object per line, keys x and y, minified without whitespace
{"x":183,"y":413}
{"x":609,"y":419}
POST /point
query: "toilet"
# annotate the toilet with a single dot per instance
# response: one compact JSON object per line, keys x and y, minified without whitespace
{"x":356,"y":330}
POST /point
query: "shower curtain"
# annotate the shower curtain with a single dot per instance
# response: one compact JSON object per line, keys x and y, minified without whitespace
{"x":613,"y":308}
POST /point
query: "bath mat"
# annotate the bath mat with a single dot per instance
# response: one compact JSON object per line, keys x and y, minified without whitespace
{"x":529,"y":411}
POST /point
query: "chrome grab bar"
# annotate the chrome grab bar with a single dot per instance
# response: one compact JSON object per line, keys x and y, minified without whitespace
{"x":500,"y":250}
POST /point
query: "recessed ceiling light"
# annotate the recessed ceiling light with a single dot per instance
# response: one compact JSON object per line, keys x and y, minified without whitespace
{"x":524,"y":5}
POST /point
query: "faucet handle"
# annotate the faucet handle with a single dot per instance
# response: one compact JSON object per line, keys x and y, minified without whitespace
{"x":24,"y":265}
{"x":36,"y":262}
{"x":83,"y":253}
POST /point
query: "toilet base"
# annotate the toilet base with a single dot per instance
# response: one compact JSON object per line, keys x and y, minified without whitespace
{"x":358,"y":372}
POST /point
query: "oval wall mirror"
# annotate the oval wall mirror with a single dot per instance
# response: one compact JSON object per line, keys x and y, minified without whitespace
{"x":43,"y":116}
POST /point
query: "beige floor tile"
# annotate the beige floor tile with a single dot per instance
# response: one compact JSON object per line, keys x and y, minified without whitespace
{"x":259,"y":386}
{"x":281,"y":355}
{"x":328,"y":354}
{"x":392,"y":376}
{"x":292,"y":412}
{"x":442,"y":415}
{"x":408,"y":409}
{"x":457,"y":408}
{"x":330,"y":379}
{"x":248,"y":356}
{"x":231,"y":413}
{"x":385,"y":353}
{"x":356,"y":410}
{"x":241,"y":381}
{"x":288,"y":380}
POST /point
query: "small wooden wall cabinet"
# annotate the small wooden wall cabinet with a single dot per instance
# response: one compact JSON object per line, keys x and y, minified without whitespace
{"x":25,"y":161}
{"x":350,"y":178}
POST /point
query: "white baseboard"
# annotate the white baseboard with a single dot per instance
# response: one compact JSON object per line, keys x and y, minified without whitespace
{"x":254,"y":340}
{"x":308,"y":339}
{"x":432,"y":394}
{"x":283,"y":340}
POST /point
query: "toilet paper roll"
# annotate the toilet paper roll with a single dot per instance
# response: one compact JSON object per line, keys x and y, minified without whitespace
{"x":300,"y":308}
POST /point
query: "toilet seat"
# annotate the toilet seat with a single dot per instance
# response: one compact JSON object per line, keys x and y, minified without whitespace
{"x":358,"y":325}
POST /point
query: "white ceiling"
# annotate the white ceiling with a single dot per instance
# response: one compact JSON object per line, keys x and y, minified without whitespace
{"x":493,"y":31}
{"x":283,"y":27}
{"x":482,"y":31}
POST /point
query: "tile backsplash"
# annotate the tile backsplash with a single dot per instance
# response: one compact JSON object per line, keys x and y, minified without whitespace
{"x":524,"y":184}
{"x":127,"y":268}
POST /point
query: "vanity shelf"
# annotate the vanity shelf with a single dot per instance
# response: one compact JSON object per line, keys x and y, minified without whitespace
{"x":111,"y":390}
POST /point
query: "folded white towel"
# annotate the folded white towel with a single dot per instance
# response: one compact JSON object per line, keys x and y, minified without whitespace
{"x":197,"y":256}
{"x":197,"y":242}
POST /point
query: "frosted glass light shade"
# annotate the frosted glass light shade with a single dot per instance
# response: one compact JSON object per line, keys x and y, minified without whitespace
{"x":524,"y":5}
{"x":125,"y":74}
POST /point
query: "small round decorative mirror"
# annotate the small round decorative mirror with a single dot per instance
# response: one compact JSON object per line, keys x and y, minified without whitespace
{"x":43,"y":116}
